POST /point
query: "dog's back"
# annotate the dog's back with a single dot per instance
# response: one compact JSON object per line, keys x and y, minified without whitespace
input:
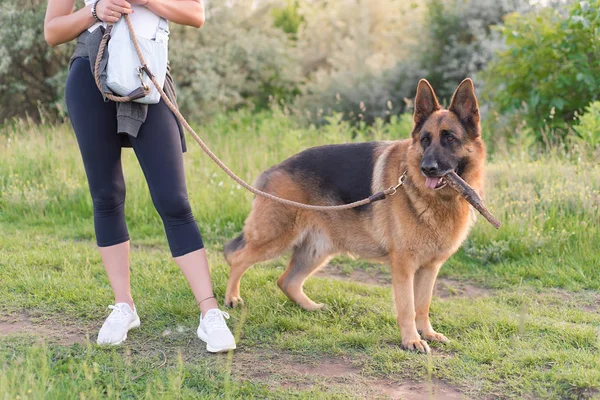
{"x":337,"y":174}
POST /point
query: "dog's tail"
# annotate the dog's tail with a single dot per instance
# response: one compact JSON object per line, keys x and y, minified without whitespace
{"x":233,"y":245}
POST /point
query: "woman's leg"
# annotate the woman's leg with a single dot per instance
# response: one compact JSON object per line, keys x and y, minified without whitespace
{"x":95,"y":124}
{"x":158,"y":149}
{"x":116,"y":263}
{"x":194,"y":266}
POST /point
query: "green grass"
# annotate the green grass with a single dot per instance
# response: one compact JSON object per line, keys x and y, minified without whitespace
{"x":532,"y":329}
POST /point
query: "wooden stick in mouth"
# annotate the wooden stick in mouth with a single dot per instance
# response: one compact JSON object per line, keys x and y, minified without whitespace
{"x":467,"y":192}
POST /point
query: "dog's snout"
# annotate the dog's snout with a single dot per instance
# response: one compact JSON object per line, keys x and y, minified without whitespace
{"x":429,"y":167}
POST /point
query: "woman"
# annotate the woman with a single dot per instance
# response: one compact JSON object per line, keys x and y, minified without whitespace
{"x":158,"y":146}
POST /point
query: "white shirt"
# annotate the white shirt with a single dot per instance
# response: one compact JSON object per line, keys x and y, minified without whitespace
{"x":144,"y":21}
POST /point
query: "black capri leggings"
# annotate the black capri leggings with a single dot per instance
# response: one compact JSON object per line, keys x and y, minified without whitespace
{"x":158,"y":150}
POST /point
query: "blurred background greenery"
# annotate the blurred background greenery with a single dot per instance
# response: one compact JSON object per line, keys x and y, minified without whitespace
{"x":536,"y":64}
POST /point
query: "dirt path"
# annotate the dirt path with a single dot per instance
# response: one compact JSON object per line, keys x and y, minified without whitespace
{"x":46,"y":329}
{"x":444,"y":288}
{"x":340,"y":375}
{"x":272,"y":368}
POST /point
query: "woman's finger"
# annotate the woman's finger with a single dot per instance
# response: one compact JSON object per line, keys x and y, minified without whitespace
{"x":105,"y":13}
{"x":109,"y":16}
{"x":112,"y":20}
{"x":111,"y":10}
{"x":121,"y":3}
{"x":119,"y":9}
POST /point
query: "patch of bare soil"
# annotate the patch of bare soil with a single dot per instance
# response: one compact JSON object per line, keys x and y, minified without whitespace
{"x":444,"y":288}
{"x":370,"y":277}
{"x":594,"y":304}
{"x":448,"y":288}
{"x":436,"y":389}
{"x":44,"y":329}
{"x":585,"y":300}
{"x":338,"y":375}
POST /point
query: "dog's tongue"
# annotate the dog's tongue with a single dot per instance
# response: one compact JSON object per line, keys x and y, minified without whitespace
{"x":431,"y":183}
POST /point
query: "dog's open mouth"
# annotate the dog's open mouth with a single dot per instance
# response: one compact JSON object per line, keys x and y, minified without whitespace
{"x":437,"y":182}
{"x":434,"y":183}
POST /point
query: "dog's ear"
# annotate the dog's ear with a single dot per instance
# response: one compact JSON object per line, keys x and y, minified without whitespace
{"x":425,"y":102}
{"x":464,"y":105}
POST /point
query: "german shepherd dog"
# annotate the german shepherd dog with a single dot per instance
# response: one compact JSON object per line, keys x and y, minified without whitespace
{"x":414,"y":231}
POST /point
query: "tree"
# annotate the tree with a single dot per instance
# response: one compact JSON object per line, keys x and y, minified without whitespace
{"x":459,"y":39}
{"x":551,"y":67}
{"x":238,"y":59}
{"x":32,"y":74}
{"x":346,"y":49}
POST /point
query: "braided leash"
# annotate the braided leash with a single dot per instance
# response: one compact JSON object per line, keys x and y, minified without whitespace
{"x":123,"y":99}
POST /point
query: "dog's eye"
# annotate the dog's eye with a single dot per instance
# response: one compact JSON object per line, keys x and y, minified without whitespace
{"x":450,"y":139}
{"x":425,"y":140}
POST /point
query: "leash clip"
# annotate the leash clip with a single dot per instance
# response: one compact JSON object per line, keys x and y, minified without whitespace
{"x":401,"y":180}
{"x":139,"y":71}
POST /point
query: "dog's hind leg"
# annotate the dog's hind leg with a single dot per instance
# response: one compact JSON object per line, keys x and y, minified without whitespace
{"x":268,"y":232}
{"x":312,"y":252}
{"x":234,"y":254}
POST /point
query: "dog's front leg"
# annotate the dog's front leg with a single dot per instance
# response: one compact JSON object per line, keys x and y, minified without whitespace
{"x":424,"y":281}
{"x":403,"y":267}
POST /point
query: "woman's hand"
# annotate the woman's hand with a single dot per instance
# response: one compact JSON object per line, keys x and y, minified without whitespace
{"x":111,"y":10}
{"x":139,"y":2}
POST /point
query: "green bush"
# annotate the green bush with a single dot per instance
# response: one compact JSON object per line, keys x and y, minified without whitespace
{"x":588,"y":125}
{"x":362,"y":98}
{"x":550,"y":69}
{"x":238,"y":59}
{"x":361,"y":57}
{"x":348,"y":52}
{"x":458,"y":40}
{"x":32,"y":74}
{"x":288,"y":18}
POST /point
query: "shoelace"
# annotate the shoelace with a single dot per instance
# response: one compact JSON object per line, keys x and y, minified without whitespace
{"x":117,"y":315}
{"x":214,"y":319}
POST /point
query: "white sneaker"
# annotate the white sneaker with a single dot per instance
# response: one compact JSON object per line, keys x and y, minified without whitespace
{"x":119,"y":322}
{"x":214,"y":331}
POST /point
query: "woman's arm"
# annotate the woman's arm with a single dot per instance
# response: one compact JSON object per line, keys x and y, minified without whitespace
{"x":184,"y":12}
{"x":62,"y":25}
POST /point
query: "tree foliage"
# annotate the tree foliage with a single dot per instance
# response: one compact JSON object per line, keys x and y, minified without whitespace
{"x":238,"y":58}
{"x":363,"y":56}
{"x":359,"y":59}
{"x":288,"y":18}
{"x":551,"y":67}
{"x":459,"y":40}
{"x":32,"y":74}
{"x":348,"y":50}
{"x":588,"y":125}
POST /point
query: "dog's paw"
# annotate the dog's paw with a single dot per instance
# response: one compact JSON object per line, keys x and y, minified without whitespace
{"x":434,"y":337}
{"x":416,"y":345}
{"x":233,"y":301}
